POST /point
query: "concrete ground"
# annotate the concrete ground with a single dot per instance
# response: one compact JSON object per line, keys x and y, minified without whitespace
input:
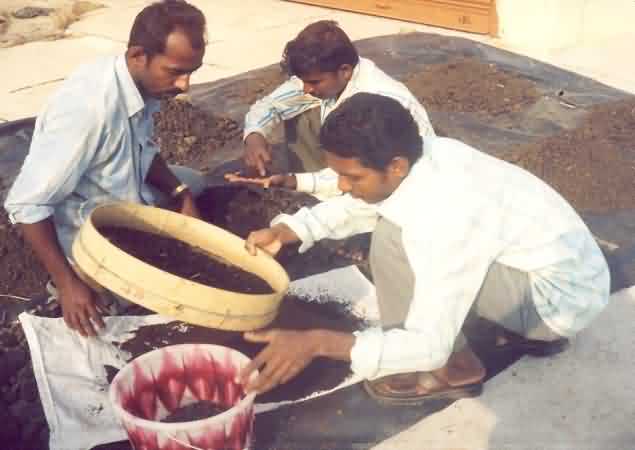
{"x":251,"y":33}
{"x":583,"y":399}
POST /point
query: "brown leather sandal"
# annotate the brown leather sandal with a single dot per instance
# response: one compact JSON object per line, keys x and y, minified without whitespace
{"x":416,"y":388}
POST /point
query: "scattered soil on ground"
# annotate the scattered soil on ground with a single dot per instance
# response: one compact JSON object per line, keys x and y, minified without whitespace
{"x":185,"y":261}
{"x":294,"y":314}
{"x":469,"y":85}
{"x":592,"y":166}
{"x":195,"y":411}
{"x":24,"y":425}
{"x":242,"y":209}
{"x":21,"y":273}
{"x":253,"y":89}
{"x":186,"y":135}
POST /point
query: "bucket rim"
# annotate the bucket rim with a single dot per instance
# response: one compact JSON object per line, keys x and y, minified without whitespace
{"x":168,"y":427}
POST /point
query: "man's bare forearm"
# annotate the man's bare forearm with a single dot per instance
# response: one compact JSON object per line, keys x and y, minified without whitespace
{"x":334,"y":344}
{"x":42,"y":237}
{"x":285,"y":234}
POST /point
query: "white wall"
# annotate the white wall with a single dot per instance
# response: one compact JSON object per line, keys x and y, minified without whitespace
{"x":608,"y":18}
{"x":556,"y":24}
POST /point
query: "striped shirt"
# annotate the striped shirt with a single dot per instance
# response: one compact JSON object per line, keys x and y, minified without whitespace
{"x":460,"y":210}
{"x":289,"y":100}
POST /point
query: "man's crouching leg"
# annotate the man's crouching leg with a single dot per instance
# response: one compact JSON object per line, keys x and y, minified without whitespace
{"x":506,"y":299}
{"x":460,"y":377}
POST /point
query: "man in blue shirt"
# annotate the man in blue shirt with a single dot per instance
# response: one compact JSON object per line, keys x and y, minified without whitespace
{"x":93,"y":144}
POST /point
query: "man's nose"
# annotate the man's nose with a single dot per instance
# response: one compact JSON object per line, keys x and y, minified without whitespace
{"x":183,"y":82}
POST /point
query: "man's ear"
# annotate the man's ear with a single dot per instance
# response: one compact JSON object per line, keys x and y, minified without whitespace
{"x":399,"y":167}
{"x":346,"y":71}
{"x":137,"y":56}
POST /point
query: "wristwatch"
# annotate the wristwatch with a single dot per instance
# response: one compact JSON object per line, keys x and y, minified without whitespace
{"x":179,"y":190}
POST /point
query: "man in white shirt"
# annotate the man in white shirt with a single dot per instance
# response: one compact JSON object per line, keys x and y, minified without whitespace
{"x":325,"y":70}
{"x":93,"y":144}
{"x":454,"y":231}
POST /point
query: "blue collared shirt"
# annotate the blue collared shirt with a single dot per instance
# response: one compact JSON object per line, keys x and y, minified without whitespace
{"x":92,"y":144}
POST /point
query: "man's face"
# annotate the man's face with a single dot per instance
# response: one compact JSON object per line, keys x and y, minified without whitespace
{"x":167,"y":74}
{"x":367,"y":184}
{"x":324,"y":85}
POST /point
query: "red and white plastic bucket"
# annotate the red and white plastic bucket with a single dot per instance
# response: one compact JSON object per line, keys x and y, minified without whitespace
{"x":156,"y":384}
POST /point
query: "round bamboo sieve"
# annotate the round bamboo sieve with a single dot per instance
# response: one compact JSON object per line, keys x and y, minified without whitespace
{"x":168,"y":294}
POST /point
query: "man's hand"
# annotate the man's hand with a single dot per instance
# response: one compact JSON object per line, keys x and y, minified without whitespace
{"x":257,"y":153}
{"x":188,"y":205}
{"x":75,"y":297}
{"x":280,"y":180}
{"x":81,"y":312}
{"x":270,"y":240}
{"x":288,"y":352}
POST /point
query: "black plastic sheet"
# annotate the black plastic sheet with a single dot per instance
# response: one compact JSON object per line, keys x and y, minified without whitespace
{"x":349,"y":419}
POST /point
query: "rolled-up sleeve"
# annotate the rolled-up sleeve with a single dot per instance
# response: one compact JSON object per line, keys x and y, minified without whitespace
{"x":65,"y":141}
{"x":286,"y":101}
{"x":336,"y":218}
{"x":323,"y":184}
{"x":448,"y":275}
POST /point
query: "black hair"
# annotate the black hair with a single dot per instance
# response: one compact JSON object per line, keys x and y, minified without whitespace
{"x":321,"y":46}
{"x":373,"y":129}
{"x":155,"y":22}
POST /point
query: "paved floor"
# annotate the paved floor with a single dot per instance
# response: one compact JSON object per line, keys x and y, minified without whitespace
{"x":583,"y":399}
{"x":249,"y":34}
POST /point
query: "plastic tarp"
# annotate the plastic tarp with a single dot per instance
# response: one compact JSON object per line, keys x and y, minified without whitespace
{"x":74,"y":389}
{"x":565,"y":98}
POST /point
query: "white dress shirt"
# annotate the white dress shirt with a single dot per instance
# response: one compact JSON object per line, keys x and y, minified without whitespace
{"x":460,"y":210}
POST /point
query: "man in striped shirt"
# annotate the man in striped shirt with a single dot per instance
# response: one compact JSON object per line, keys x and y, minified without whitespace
{"x":325,"y":70}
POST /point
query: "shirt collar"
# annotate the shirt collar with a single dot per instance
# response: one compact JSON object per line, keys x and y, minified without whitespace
{"x":354,"y":77}
{"x":131,"y":96}
{"x":393,"y":207}
{"x":350,"y":86}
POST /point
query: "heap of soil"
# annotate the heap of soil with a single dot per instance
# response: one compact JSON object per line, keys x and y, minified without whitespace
{"x":185,"y":261}
{"x":469,"y":85}
{"x":254,"y":89}
{"x":21,"y":273}
{"x":195,"y":411}
{"x":294,"y":314}
{"x":23,"y":422}
{"x":592,"y":166}
{"x":187,"y":135}
{"x":241,"y":210}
